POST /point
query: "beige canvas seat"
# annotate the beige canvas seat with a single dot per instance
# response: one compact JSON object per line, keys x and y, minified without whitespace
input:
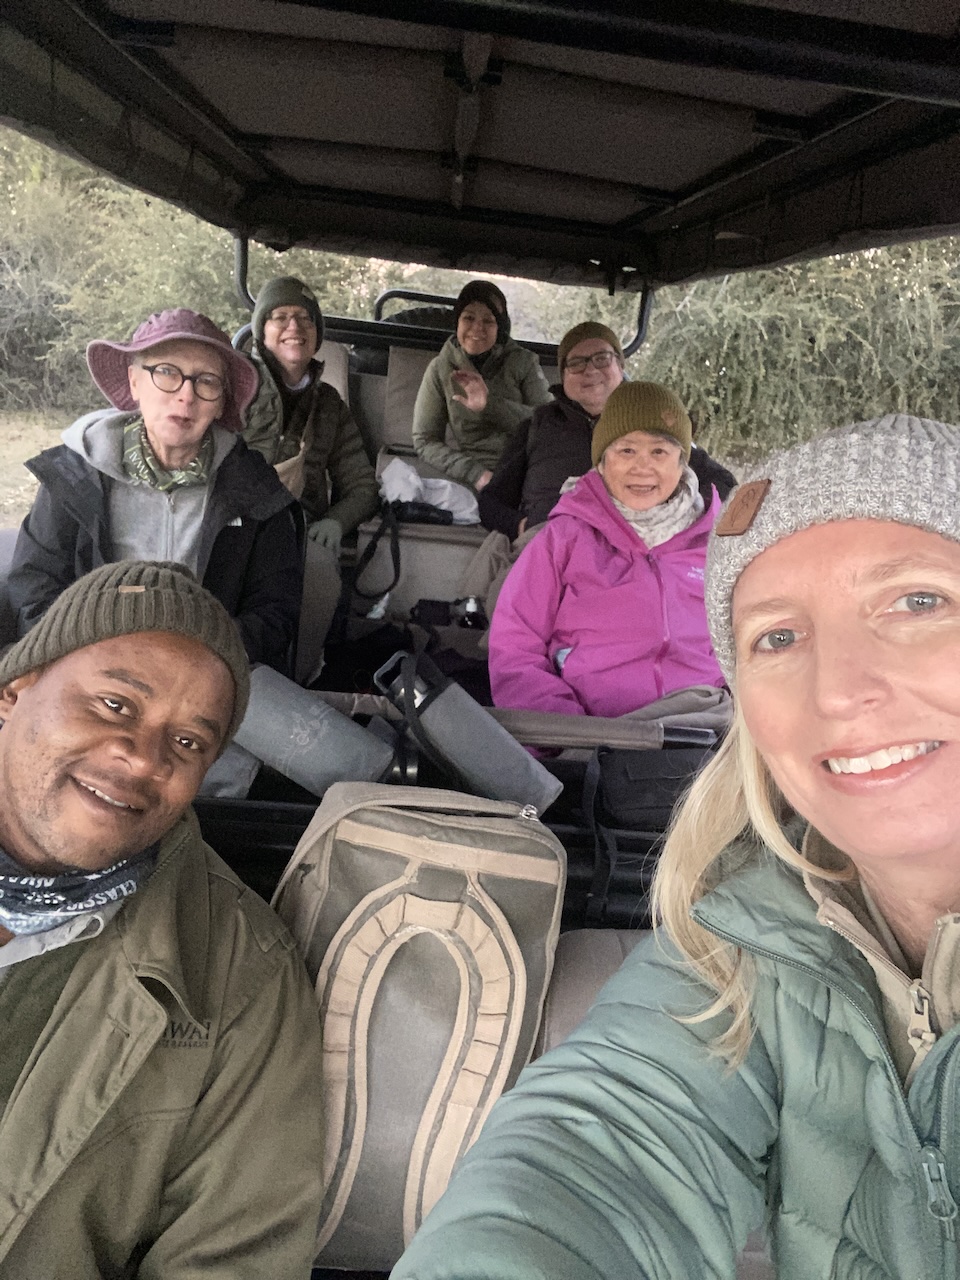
{"x":585,"y":959}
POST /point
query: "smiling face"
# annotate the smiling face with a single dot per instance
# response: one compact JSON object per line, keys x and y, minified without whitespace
{"x":642,"y":470}
{"x":848,"y":649}
{"x":476,"y":329}
{"x":176,"y":421}
{"x":290,"y":335}
{"x":101,"y":751}
{"x":590,"y":386}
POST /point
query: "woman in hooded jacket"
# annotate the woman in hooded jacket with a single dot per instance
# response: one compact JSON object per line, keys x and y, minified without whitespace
{"x":477,"y":391}
{"x":603,"y":612}
{"x":164,"y":475}
{"x":788,"y":1050}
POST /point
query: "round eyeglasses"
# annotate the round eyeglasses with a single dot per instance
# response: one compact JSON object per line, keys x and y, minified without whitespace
{"x":168,"y":378}
{"x":599,"y":360}
{"x":283,"y":319}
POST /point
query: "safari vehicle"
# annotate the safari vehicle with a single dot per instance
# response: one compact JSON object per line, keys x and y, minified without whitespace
{"x":621,"y":146}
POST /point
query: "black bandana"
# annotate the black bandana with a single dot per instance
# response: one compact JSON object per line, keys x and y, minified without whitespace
{"x":34,"y":904}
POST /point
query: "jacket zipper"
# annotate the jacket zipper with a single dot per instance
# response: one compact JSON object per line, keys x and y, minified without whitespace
{"x":940,"y":1202}
{"x":665,"y":641}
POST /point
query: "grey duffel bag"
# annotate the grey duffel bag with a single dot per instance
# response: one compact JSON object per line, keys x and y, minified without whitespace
{"x":428,"y":920}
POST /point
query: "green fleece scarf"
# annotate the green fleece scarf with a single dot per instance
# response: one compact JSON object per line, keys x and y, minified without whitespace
{"x":142,"y":465}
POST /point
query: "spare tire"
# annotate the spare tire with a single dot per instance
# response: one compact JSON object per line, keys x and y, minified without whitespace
{"x":429,"y":317}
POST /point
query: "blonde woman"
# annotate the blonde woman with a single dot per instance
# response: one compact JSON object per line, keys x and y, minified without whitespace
{"x":787,"y":1049}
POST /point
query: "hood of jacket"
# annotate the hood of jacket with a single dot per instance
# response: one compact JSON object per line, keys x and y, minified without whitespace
{"x":590,"y":503}
{"x":98,"y":438}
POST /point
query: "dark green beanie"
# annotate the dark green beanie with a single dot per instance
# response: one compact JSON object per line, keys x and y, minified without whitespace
{"x":285,"y":291}
{"x":122,"y":599}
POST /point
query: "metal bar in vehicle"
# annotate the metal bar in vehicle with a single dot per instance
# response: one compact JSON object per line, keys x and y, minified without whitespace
{"x":643,"y":320}
{"x":382,"y":334}
{"x":241,"y":261}
{"x":889,"y":61}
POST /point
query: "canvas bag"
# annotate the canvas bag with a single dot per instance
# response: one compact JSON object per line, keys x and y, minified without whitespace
{"x":428,"y":921}
{"x":293,"y":471}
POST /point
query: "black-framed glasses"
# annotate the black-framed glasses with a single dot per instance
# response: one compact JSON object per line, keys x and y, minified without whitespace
{"x":599,"y":360}
{"x":168,"y":378}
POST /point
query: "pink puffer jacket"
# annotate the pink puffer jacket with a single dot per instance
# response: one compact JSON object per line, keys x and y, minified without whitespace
{"x":592,"y":622}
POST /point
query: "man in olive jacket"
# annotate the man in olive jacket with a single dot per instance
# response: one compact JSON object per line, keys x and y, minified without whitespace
{"x":159,"y":1075}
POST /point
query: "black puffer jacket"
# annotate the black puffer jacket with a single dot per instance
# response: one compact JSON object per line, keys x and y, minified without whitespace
{"x":249,"y":545}
{"x":546,"y":450}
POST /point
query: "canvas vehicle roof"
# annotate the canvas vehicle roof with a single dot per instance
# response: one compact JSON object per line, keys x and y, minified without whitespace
{"x":612,"y":145}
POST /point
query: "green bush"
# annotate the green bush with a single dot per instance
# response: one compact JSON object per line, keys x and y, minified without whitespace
{"x":763,"y":358}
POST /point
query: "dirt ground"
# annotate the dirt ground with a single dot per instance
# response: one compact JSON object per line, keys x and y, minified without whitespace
{"x":20,"y":438}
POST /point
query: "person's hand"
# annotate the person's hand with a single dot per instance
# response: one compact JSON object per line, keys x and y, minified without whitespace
{"x":473,"y":388}
{"x":482,"y":480}
{"x":327,"y":532}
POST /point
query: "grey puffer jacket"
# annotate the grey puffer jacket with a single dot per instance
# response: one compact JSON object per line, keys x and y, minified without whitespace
{"x":515,"y":385}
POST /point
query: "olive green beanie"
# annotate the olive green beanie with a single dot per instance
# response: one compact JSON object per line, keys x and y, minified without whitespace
{"x":285,"y":291}
{"x":642,"y":406}
{"x":125,"y":598}
{"x":583,"y":333}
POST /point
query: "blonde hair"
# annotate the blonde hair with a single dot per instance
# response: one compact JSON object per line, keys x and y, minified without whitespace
{"x":734,"y":796}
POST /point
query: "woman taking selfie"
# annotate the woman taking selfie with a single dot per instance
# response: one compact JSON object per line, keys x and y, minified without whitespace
{"x":786,"y":1050}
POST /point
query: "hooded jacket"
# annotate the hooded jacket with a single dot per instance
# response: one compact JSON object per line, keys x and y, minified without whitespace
{"x":592,"y":622}
{"x":168,"y":1123}
{"x":339,"y":481}
{"x":631,"y":1150}
{"x":546,"y":450}
{"x":515,"y":385}
{"x":245,"y":546}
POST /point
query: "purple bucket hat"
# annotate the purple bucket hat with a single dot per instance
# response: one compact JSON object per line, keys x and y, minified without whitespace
{"x":108,"y":361}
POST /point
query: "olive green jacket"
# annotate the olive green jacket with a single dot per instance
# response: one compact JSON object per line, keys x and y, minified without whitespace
{"x":630,"y":1151}
{"x":339,"y":480}
{"x":516,"y":385}
{"x":168,"y":1123}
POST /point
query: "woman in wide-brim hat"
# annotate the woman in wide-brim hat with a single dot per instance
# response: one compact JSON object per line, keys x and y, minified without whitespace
{"x":477,"y":391}
{"x":163,"y":474}
{"x":787,"y":1050}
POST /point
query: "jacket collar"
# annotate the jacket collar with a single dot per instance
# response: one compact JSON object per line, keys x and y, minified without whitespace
{"x":591,"y":503}
{"x":163,"y":930}
{"x":762,"y":905}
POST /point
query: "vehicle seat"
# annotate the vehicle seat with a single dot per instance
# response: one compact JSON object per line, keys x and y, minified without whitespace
{"x":585,"y":959}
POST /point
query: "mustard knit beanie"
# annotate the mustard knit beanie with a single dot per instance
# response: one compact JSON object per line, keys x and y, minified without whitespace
{"x":124,"y":598}
{"x":583,"y":333}
{"x":642,"y":406}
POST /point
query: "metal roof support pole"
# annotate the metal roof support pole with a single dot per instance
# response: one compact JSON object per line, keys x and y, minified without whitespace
{"x":643,"y":320}
{"x":241,"y":261}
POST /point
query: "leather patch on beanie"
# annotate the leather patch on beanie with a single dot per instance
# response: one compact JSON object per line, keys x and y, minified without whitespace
{"x":743,"y":509}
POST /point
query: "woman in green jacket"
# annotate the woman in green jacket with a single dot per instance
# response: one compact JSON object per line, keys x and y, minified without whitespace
{"x":477,"y":391}
{"x":788,"y":1049}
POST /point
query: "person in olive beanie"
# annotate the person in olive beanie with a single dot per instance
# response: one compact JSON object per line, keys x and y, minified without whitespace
{"x":642,"y":406}
{"x":302,"y":426}
{"x":155,"y":1017}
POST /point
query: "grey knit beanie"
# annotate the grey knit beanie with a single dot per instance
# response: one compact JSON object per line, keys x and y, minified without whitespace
{"x":126,"y":597}
{"x":285,"y":291}
{"x":897,"y":468}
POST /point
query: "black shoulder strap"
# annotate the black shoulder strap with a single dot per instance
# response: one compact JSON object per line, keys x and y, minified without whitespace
{"x":388,"y":524}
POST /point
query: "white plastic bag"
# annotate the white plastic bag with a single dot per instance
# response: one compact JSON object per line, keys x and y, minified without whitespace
{"x":401,"y":482}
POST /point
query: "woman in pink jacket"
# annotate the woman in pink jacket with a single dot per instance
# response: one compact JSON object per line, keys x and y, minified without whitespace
{"x":603,"y":613}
